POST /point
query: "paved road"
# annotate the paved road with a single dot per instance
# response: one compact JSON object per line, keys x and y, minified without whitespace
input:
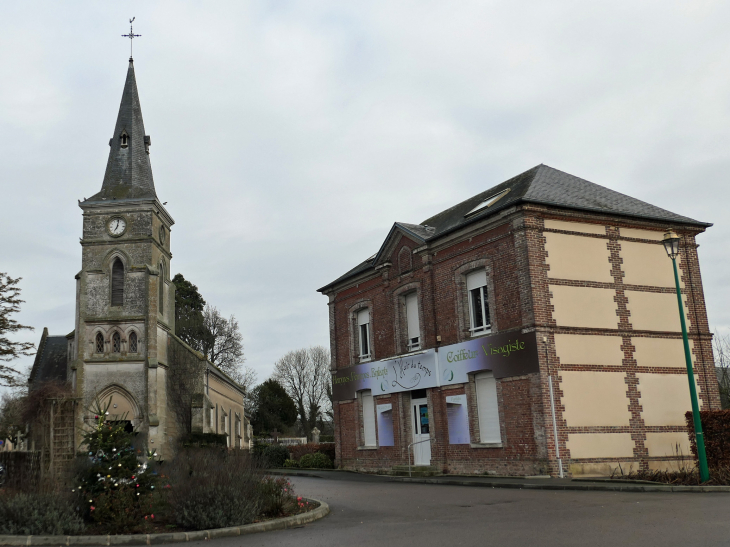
{"x":373,"y":512}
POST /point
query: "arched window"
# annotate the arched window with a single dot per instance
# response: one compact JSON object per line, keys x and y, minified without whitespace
{"x":99,"y":343}
{"x":133,"y":343}
{"x":125,"y":139}
{"x":161,"y":298}
{"x":118,"y":283}
{"x":116,"y":343}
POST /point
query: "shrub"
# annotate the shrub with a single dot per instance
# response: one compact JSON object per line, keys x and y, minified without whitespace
{"x":275,"y":455}
{"x":326,"y":438}
{"x":38,"y":514}
{"x":291,"y":463}
{"x":716,"y":429}
{"x":316,"y":461}
{"x":325,"y":448}
{"x":277,"y":495}
{"x":214,"y":489}
{"x":205,"y":439}
{"x":258,"y":448}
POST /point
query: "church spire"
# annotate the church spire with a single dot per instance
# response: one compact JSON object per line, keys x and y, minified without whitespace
{"x":128,"y":171}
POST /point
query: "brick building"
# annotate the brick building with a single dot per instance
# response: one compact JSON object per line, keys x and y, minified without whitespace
{"x":541,"y":308}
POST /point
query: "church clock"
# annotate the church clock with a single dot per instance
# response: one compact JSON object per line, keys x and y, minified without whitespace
{"x":116,"y":226}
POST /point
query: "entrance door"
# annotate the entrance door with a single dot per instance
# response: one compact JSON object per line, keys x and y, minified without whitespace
{"x":421,"y":432}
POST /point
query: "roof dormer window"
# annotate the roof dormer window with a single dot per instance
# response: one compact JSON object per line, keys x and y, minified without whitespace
{"x":125,"y":139}
{"x":491,"y":200}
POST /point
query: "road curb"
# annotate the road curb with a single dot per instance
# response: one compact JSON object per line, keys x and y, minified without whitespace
{"x":176,"y":537}
{"x":622,"y":487}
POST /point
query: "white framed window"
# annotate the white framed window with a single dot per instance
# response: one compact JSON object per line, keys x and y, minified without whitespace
{"x":414,"y":331}
{"x":363,"y":327}
{"x":368,"y":418}
{"x":487,"y":408}
{"x":476,"y":286}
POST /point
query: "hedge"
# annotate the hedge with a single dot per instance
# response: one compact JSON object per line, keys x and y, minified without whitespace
{"x":716,"y":429}
{"x":297,"y":451}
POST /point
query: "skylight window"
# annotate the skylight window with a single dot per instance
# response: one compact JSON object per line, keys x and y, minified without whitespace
{"x":488,"y":202}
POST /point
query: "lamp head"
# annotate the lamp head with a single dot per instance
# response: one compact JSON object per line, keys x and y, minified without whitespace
{"x":671,"y":244}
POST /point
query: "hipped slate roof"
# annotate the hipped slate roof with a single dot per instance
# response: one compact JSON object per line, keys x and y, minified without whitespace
{"x":128,"y":171}
{"x":50,"y":361}
{"x":540,"y":185}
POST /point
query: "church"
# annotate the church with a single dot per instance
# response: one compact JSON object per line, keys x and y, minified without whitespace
{"x":123,"y":347}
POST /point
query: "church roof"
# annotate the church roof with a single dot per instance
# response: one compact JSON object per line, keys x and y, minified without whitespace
{"x":50,"y":361}
{"x":128,"y":171}
{"x":541,"y":185}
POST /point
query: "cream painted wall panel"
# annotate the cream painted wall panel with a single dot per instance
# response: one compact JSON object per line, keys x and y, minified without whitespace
{"x":665,"y":444}
{"x":642,"y":234}
{"x":575,"y":227}
{"x":664,"y":398}
{"x":578,"y":257}
{"x":584,"y":307}
{"x":660,"y":352}
{"x":646,"y":264}
{"x":655,"y":311}
{"x":576,"y":349}
{"x":594,"y":399}
{"x":600,"y":445}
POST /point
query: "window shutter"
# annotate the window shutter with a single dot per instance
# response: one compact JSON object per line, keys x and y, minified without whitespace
{"x":368,"y":418}
{"x":487,"y":408}
{"x":118,"y":283}
{"x":476,"y":279}
{"x":363,"y":317}
{"x":412,"y":316}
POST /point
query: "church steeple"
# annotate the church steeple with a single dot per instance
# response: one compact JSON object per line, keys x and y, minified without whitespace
{"x":128,"y":171}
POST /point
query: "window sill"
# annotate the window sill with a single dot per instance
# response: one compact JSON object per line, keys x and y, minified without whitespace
{"x":479,"y":333}
{"x":365,"y":360}
{"x":367,"y":447}
{"x":486,"y":445}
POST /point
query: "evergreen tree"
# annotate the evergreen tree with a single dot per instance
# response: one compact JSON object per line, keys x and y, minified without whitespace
{"x":116,"y":487}
{"x":272,"y":408}
{"x":189,"y":306}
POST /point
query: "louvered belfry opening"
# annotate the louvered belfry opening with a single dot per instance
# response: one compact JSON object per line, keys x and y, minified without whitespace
{"x":162,"y":290}
{"x":118,"y":283}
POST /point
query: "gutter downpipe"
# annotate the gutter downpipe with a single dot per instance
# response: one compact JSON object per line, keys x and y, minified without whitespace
{"x":552,"y":410}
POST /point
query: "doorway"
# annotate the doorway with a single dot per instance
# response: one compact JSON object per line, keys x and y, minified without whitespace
{"x":421,"y":431}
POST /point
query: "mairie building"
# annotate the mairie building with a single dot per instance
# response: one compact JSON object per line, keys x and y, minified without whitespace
{"x":123,"y":349}
{"x":530,"y":329}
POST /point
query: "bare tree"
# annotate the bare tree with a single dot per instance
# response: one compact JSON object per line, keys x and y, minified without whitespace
{"x":249,"y":378}
{"x":305,"y":375}
{"x":721,"y":349}
{"x":9,"y":304}
{"x":223,"y":343}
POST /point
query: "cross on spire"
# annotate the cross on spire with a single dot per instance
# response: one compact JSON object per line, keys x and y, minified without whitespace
{"x":131,"y":36}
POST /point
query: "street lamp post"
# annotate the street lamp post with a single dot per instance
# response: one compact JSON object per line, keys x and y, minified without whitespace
{"x":671,"y":245}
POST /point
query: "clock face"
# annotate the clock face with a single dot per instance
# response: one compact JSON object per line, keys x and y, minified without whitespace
{"x":162,"y":235}
{"x":117,"y":226}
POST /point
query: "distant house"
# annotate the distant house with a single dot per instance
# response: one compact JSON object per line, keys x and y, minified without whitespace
{"x":540,"y":309}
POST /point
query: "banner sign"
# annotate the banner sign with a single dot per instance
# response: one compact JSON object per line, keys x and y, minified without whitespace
{"x":505,"y":354}
{"x":413,"y":371}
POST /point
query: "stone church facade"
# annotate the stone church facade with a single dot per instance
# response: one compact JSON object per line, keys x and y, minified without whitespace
{"x":124,"y":339}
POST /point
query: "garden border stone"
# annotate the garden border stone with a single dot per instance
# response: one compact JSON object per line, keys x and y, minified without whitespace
{"x":175,"y":537}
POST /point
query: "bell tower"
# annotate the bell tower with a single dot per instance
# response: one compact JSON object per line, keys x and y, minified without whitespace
{"x":125,"y":301}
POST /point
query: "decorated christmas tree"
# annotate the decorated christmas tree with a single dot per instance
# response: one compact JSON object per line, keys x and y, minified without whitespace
{"x":116,"y":485}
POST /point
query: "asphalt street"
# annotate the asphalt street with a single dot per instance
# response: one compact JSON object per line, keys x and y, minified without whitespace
{"x":374,"y":512}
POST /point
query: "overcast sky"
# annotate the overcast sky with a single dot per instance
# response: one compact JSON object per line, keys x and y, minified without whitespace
{"x":288,"y":136}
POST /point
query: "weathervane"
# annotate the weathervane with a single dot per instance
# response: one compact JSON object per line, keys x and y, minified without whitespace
{"x":131,"y":36}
